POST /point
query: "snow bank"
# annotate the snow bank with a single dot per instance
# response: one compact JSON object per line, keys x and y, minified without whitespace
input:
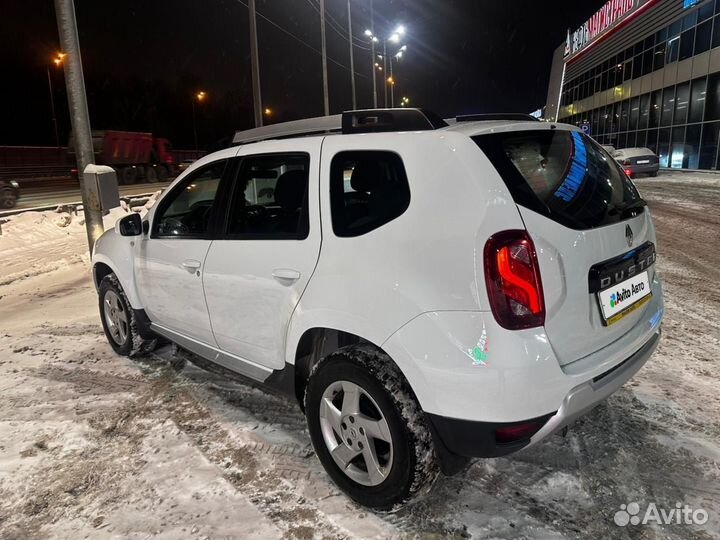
{"x":34,"y":243}
{"x":23,"y":231}
{"x":706,"y":179}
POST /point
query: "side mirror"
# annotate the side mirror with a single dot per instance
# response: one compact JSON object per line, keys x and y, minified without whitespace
{"x":130,"y":225}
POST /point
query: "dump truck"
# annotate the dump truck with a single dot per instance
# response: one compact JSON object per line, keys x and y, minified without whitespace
{"x":136,"y":156}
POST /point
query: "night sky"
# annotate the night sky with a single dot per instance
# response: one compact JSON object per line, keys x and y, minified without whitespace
{"x":145,"y":59}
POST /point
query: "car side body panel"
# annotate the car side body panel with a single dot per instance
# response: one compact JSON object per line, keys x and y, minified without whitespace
{"x":428,"y":259}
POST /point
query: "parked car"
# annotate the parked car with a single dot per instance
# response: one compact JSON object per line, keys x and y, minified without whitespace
{"x":9,"y":194}
{"x":638,"y":161}
{"x":428,"y":293}
{"x":609,"y":149}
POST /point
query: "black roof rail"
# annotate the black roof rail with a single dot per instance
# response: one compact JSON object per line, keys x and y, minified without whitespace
{"x":484,"y":117}
{"x":384,"y":120}
{"x":361,"y":121}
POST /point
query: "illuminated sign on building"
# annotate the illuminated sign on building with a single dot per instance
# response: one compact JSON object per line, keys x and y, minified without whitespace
{"x":690,"y":3}
{"x":609,"y":14}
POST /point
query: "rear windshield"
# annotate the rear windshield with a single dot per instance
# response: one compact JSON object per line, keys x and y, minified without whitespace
{"x":563,"y":175}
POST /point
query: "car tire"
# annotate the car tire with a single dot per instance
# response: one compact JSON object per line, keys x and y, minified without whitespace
{"x":151,"y":174}
{"x":7,"y":200}
{"x":128,"y":176}
{"x":119,"y":321}
{"x":653,"y":174}
{"x":347,"y":432}
{"x":162,"y":172}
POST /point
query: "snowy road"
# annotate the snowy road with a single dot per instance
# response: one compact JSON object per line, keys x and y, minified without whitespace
{"x":93,"y":445}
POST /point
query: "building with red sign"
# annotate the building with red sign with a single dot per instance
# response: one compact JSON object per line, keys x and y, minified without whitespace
{"x":644,"y":73}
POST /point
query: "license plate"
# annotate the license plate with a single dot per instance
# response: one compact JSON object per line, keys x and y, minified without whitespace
{"x":625,"y":297}
{"x":643,"y":161}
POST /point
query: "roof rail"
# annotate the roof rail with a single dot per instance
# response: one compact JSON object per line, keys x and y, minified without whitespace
{"x":521,"y":117}
{"x":297,"y":128}
{"x":360,"y":121}
{"x":384,"y":120}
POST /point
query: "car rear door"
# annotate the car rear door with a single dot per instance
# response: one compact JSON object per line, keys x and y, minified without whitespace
{"x":592,"y":233}
{"x":257,"y":270}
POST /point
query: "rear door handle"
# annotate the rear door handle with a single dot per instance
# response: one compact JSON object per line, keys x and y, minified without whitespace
{"x":286,"y":274}
{"x":191,"y":265}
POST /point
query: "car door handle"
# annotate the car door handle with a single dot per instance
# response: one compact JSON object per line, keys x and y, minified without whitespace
{"x":286,"y":274}
{"x":191,"y":265}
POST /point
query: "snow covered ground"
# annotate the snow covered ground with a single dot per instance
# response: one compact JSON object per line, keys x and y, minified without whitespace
{"x":93,"y":445}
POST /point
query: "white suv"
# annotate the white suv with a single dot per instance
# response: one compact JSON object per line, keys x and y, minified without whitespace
{"x":427,"y":292}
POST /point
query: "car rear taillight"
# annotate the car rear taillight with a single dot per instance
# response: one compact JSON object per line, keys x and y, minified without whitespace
{"x":512,"y":276}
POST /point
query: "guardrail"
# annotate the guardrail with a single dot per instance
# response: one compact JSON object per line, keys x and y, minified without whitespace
{"x":138,"y":200}
{"x":34,"y":171}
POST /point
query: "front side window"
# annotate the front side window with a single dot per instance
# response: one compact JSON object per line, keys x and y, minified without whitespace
{"x":270,"y":198}
{"x":367,"y":190}
{"x":186,"y":212}
{"x":563,"y":175}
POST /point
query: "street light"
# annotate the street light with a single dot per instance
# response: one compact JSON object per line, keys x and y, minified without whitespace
{"x":394,"y":38}
{"x":58,"y":61}
{"x":199,"y":97}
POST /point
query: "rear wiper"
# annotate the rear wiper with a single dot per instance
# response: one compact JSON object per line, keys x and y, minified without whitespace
{"x":630,"y":209}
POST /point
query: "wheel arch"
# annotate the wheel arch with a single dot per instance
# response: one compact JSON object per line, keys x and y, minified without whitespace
{"x":317,"y":343}
{"x":102,"y":265}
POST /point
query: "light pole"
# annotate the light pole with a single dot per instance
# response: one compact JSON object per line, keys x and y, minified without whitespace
{"x":394,"y":38}
{"x":326,"y":98}
{"x":398,"y":56}
{"x":255,"y":66}
{"x":200,"y":97}
{"x":373,"y":63}
{"x":352,"y":57}
{"x":79,"y":116}
{"x":58,"y":60}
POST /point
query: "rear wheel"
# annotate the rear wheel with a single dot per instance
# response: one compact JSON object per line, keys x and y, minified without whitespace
{"x":150,"y":174}
{"x":368,"y":429}
{"x":128,"y":175}
{"x":653,"y":174}
{"x":7,"y":199}
{"x":118,"y":319}
{"x":162,"y":172}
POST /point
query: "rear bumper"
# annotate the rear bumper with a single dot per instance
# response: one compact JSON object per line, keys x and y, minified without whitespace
{"x":581,"y":399}
{"x":478,"y":439}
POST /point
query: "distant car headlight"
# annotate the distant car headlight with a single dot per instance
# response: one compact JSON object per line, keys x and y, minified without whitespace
{"x":14,"y":184}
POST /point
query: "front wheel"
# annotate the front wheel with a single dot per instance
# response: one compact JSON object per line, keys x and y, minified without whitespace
{"x":118,"y":319}
{"x":368,"y":429}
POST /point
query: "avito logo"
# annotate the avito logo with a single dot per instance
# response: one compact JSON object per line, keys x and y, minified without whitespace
{"x":621,"y":296}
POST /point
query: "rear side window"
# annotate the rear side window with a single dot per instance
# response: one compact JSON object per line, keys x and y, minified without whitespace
{"x":561,"y":174}
{"x":367,"y":190}
{"x":270,"y":199}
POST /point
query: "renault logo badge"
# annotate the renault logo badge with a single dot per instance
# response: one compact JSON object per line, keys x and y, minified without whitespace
{"x":628,"y":235}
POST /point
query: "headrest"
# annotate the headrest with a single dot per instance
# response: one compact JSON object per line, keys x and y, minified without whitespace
{"x":290,"y":189}
{"x":366,"y":176}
